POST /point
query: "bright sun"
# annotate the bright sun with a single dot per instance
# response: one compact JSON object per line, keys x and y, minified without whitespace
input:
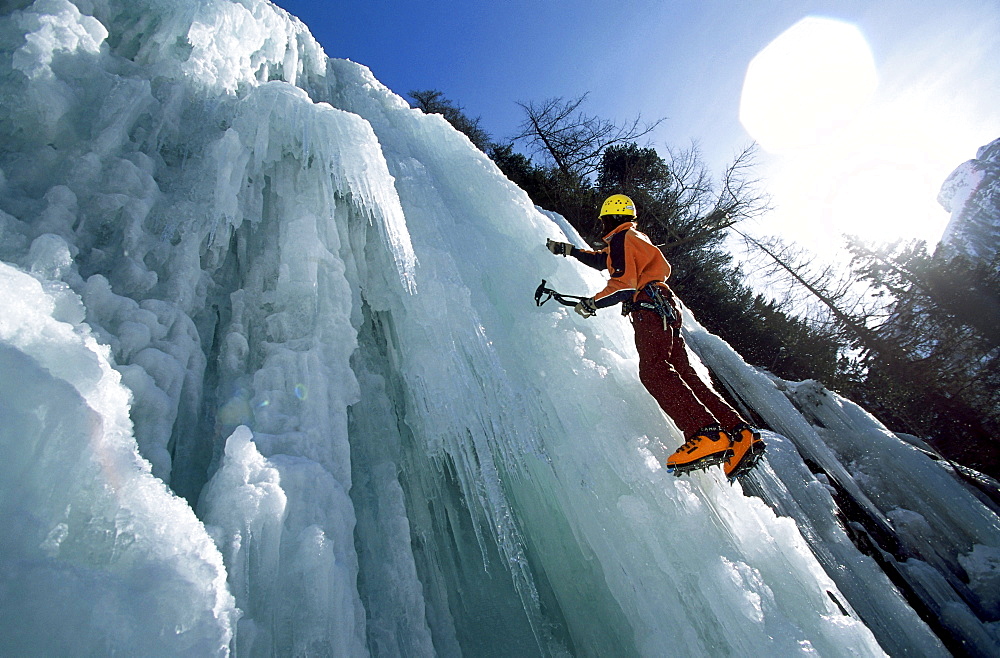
{"x":807,"y":84}
{"x":840,"y":162}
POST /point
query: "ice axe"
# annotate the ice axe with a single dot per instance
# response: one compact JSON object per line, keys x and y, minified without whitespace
{"x":543,"y":294}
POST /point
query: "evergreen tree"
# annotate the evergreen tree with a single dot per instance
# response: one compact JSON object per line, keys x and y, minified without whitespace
{"x":941,"y":376}
{"x":922,"y":337}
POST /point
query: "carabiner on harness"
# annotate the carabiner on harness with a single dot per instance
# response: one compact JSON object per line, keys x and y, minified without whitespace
{"x":658,"y":305}
{"x":661,"y":306}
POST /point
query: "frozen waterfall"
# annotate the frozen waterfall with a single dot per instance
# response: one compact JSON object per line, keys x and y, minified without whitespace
{"x":273,"y":383}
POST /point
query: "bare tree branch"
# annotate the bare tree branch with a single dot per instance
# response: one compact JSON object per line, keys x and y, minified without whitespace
{"x":699,"y":209}
{"x":837,"y":294}
{"x":572,"y":140}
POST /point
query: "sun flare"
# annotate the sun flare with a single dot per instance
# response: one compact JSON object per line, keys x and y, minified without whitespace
{"x":880,"y":200}
{"x":846,"y":156}
{"x":807,"y":84}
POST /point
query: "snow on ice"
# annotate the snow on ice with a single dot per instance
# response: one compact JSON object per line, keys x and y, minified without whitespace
{"x":273,"y":383}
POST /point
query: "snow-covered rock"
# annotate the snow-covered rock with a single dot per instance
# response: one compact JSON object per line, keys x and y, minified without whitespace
{"x":972,"y":195}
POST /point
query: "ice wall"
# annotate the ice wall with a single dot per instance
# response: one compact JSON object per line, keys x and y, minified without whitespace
{"x":319,"y":301}
{"x":209,"y":220}
{"x":96,"y":554}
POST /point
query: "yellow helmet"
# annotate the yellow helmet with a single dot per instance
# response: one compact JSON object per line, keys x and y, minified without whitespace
{"x":618,"y":204}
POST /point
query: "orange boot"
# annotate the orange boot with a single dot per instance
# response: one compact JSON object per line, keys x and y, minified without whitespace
{"x":748,"y":448}
{"x":707,"y":447}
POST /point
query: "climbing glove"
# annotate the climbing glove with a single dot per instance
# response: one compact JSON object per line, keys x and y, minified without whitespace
{"x":558,"y":248}
{"x":586,"y":307}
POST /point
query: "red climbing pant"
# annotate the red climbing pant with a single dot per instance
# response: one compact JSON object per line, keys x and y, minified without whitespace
{"x":666,"y":372}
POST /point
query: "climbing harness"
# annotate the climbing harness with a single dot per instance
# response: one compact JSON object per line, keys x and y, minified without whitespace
{"x":658,"y":305}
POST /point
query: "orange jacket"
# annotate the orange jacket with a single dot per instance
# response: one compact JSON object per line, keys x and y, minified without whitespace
{"x":632,"y":260}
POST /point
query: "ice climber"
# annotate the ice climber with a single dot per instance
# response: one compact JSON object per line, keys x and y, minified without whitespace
{"x":714,"y":432}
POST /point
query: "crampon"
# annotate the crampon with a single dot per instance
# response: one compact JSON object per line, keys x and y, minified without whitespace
{"x":747,"y":449}
{"x":750,"y":459}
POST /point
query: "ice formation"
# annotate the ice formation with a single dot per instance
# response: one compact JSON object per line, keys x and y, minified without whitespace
{"x":273,"y":383}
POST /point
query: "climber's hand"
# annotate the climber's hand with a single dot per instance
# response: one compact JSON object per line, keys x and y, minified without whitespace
{"x":586,"y":307}
{"x":558,"y":248}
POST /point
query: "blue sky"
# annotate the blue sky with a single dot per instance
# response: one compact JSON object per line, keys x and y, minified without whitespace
{"x":685,"y":61}
{"x":681,"y":61}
